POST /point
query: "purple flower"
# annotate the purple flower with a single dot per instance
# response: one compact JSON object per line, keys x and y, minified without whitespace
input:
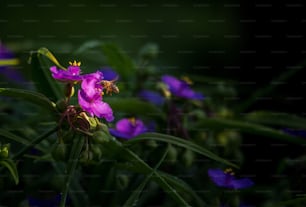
{"x":72,"y":74}
{"x":180,"y":88}
{"x":226,"y":179}
{"x":152,"y":97}
{"x":90,"y":96}
{"x":7,"y":60}
{"x":128,"y":128}
{"x":109,"y":74}
{"x":295,"y":132}
{"x":47,"y":201}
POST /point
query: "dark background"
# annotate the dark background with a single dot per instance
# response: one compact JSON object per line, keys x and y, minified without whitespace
{"x":251,"y":43}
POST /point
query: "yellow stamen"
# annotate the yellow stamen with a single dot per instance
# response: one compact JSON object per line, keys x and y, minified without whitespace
{"x":74,"y":63}
{"x":9,"y":62}
{"x":166,"y":93}
{"x":132,"y":120}
{"x":229,"y":171}
{"x":187,"y":80}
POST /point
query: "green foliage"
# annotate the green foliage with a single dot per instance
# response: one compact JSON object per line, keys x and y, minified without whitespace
{"x":87,"y":158}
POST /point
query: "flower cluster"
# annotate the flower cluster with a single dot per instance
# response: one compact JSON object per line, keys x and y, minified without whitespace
{"x":90,"y":95}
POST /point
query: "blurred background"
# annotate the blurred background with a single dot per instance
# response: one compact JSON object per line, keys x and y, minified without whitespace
{"x":251,"y":43}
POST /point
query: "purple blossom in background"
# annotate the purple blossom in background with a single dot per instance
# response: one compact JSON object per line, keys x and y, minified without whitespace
{"x":295,"y":132}
{"x":7,"y":60}
{"x":152,"y":97}
{"x":109,"y":74}
{"x":72,"y":74}
{"x":128,"y":128}
{"x":226,"y":179}
{"x":180,"y":88}
{"x":52,"y":201}
{"x":90,"y":96}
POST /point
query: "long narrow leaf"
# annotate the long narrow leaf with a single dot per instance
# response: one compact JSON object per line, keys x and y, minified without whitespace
{"x":71,"y":166}
{"x":30,"y":96}
{"x":16,"y":138}
{"x":116,"y":149}
{"x":41,"y":74}
{"x":11,"y":166}
{"x":179,"y":142}
{"x":133,"y":199}
{"x":251,"y":128}
{"x":276,"y":119}
{"x":34,"y":142}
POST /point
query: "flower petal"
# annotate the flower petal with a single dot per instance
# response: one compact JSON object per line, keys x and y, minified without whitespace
{"x":242,"y":183}
{"x":102,"y":110}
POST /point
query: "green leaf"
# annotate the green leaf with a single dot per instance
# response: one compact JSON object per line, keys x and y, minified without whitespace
{"x":299,"y":201}
{"x":41,"y":74}
{"x":178,"y":184}
{"x":251,"y":128}
{"x":181,"y":143}
{"x":159,"y":179}
{"x":16,"y":138}
{"x":11,"y":166}
{"x":276,"y":119}
{"x":29,"y":96}
{"x":71,"y":166}
{"x":134,"y":106}
{"x":118,"y":60}
{"x":45,"y":52}
{"x":133,"y":199}
{"x":116,"y":149}
{"x":34,"y":142}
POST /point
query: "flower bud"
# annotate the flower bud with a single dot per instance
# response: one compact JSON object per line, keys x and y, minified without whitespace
{"x":172,"y":154}
{"x":86,"y":156}
{"x":100,"y":137}
{"x":152,"y":143}
{"x":97,"y":152}
{"x":188,"y":158}
{"x":102,"y":127}
{"x":4,"y":151}
{"x":61,"y":105}
{"x":60,"y":153}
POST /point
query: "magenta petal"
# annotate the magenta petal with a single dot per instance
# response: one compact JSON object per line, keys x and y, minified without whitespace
{"x":139,"y":128}
{"x":70,"y":75}
{"x":125,"y":126}
{"x":126,"y":129}
{"x":218,"y":177}
{"x":173,"y":83}
{"x":102,"y":110}
{"x":222,"y":179}
{"x":85,"y":104}
{"x":118,"y":134}
{"x":180,"y":88}
{"x":242,"y":183}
